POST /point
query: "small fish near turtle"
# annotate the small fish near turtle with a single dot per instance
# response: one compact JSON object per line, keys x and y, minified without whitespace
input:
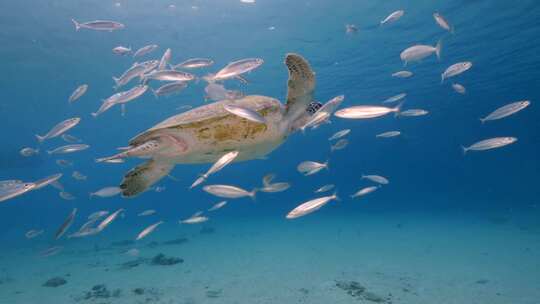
{"x":203,"y":134}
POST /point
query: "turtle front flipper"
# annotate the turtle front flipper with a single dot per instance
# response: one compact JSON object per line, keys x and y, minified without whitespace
{"x":300,"y":86}
{"x":142,"y":177}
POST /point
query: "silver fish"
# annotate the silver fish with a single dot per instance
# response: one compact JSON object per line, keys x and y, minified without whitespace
{"x":14,"y":190}
{"x":170,"y":88}
{"x":458,"y":88}
{"x":106,"y":192}
{"x":325,"y":188}
{"x":217,"y":92}
{"x":79,"y":91}
{"x":310,"y":206}
{"x":133,"y":252}
{"x":351,"y":29}
{"x":145,"y":50}
{"x":331,"y":105}
{"x":121,"y":98}
{"x":377,"y":179}
{"x":491,"y":143}
{"x":57,"y":185}
{"x":168,"y":75}
{"x":121,"y":50}
{"x":245,"y":113}
{"x":114,"y":161}
{"x":237,"y":68}
{"x":393,"y":17}
{"x":64,"y":163}
{"x":364,"y":112}
{"x":147,"y":212}
{"x":402,"y":74}
{"x":51,"y":251}
{"x":33,"y":233}
{"x":323,"y":114}
{"x":66,"y":195}
{"x":136,"y":70}
{"x":84,"y":232}
{"x":388,"y":134}
{"x":194,"y":63}
{"x":506,"y":110}
{"x":442,"y":22}
{"x":108,"y":220}
{"x":227,"y":191}
{"x":148,"y":230}
{"x":47,"y":181}
{"x":413,"y":112}
{"x":311,"y":167}
{"x":275,"y":187}
{"x":364,"y":191}
{"x":66,"y":224}
{"x":419,"y":52}
{"x":98,"y":25}
{"x":98,"y":214}
{"x":78,"y":175}
{"x":194,"y":220}
{"x":455,"y":69}
{"x":339,"y":145}
{"x":165,"y":59}
{"x":27,"y":152}
{"x":159,"y":189}
{"x":395,"y":98}
{"x":144,"y":149}
{"x":69,"y":149}
{"x":340,"y":134}
{"x":218,"y":206}
{"x":70,"y":138}
{"x":223,"y":161}
{"x":316,"y":120}
{"x":59,"y":129}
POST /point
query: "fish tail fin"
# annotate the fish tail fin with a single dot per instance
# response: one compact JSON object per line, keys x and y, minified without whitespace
{"x":482,"y":120}
{"x":405,"y":63}
{"x":49,"y":152}
{"x":397,"y":109}
{"x":154,"y":92}
{"x":464,"y":150}
{"x":94,"y":114}
{"x":116,"y":85}
{"x":253,"y":193}
{"x":438,"y":49}
{"x":336,"y":197}
{"x":442,"y":78}
{"x":77,"y":24}
{"x":40,"y":138}
{"x":327,"y":165}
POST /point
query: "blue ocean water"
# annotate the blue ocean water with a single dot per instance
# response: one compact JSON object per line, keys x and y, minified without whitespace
{"x":487,"y":199}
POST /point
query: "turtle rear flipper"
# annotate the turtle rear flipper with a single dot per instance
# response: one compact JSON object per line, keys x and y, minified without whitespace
{"x":299,"y":87}
{"x":142,"y":177}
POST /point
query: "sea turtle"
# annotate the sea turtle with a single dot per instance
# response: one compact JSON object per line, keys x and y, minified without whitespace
{"x":204,"y":134}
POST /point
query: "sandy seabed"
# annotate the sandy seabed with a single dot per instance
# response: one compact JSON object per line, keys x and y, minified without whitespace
{"x":370,"y":258}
